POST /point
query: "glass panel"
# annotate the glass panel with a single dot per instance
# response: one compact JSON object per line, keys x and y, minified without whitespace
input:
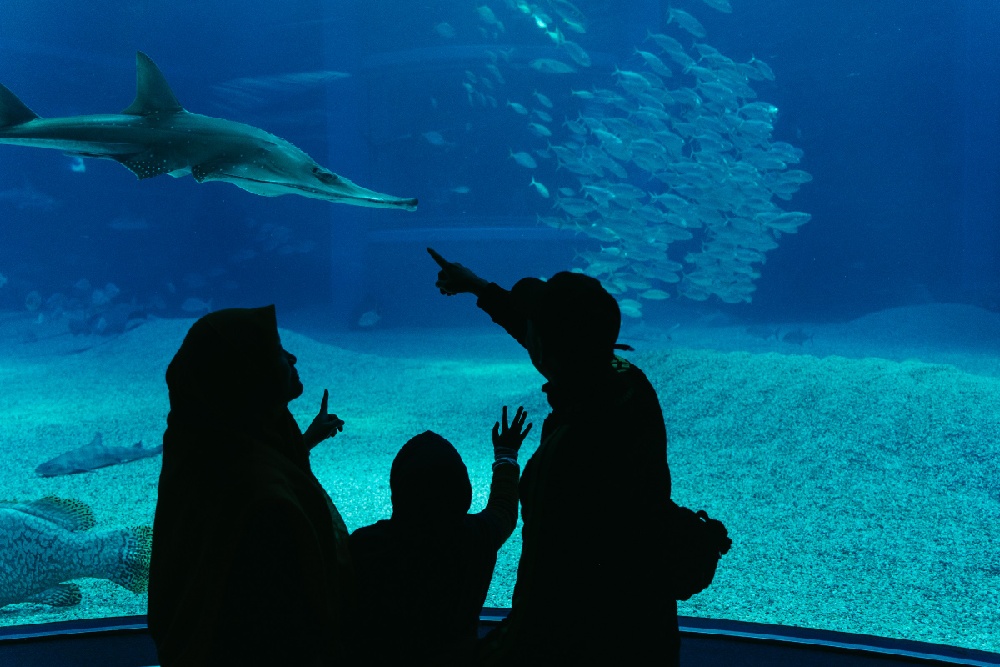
{"x":794,"y":203}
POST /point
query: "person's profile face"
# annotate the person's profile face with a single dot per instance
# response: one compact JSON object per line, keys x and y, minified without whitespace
{"x":533,"y":343}
{"x":290,"y":375}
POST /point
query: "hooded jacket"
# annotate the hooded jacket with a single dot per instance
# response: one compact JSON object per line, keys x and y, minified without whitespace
{"x":423,"y":575}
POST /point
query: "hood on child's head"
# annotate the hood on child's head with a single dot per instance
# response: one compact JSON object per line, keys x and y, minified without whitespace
{"x":429,"y":480}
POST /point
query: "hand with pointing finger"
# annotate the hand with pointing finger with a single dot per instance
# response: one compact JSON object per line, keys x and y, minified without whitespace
{"x":453,"y":278}
{"x":323,"y":426}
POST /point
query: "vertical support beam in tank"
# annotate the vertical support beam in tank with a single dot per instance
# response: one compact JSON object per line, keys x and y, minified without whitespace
{"x":980,"y":207}
{"x":347,"y":155}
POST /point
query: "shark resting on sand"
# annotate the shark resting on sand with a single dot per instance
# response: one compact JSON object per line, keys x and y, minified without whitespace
{"x":156,"y":135}
{"x":93,"y":456}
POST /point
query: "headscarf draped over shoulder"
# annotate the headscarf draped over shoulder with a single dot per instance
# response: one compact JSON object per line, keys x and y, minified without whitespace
{"x":232,"y":450}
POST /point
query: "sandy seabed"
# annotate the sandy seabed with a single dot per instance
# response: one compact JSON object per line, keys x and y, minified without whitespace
{"x":862,"y":492}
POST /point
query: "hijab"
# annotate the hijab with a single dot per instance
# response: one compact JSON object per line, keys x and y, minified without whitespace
{"x":231,"y":450}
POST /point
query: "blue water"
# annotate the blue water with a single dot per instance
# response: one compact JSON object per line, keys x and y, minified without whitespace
{"x":892,"y":105}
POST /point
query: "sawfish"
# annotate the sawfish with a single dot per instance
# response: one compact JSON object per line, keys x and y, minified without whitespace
{"x":155,"y":135}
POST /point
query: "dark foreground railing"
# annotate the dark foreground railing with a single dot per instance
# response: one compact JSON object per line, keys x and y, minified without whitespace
{"x":125,"y":642}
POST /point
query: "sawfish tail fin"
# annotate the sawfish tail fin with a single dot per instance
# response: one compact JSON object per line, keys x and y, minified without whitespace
{"x":12,"y":110}
{"x":152,"y":92}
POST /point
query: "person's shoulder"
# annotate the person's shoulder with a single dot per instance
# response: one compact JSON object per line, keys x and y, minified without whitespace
{"x":379,"y":530}
{"x":622,"y":365}
{"x":628,"y":373}
{"x":634,"y":387}
{"x":626,"y":368}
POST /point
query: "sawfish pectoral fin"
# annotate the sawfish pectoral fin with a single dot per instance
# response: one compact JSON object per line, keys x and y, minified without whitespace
{"x":229,"y":172}
{"x":214,"y":170}
{"x":149,"y":163}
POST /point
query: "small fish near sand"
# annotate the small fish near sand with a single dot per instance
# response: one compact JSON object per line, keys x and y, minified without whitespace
{"x":796,"y":337}
{"x":368,"y":319}
{"x":48,"y":542}
{"x":195,"y":306}
{"x":95,"y":455}
{"x":763,"y":332}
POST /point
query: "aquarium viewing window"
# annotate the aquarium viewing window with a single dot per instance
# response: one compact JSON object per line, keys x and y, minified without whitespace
{"x":793,"y":202}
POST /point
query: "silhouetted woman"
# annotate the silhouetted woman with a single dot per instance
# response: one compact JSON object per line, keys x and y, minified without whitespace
{"x":250,"y":563}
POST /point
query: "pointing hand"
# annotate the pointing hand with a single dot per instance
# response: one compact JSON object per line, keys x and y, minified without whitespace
{"x":453,"y":278}
{"x":323,"y":426}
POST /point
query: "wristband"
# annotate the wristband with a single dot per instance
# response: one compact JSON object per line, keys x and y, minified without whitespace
{"x":504,"y":459}
{"x":504,"y":453}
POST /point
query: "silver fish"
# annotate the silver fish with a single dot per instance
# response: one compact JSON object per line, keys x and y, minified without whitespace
{"x":543,"y":100}
{"x":487,"y":16}
{"x":196,"y":306}
{"x":539,"y":188}
{"x":721,"y":5}
{"x":577,"y":53}
{"x":542,"y":115}
{"x":524,"y":160}
{"x":26,"y":198}
{"x":686,"y":21}
{"x":517,"y":107}
{"x":551,"y":66}
{"x":445,"y":30}
{"x":539,"y":130}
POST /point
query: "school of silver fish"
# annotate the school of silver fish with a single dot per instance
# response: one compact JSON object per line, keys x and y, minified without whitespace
{"x":667,"y":161}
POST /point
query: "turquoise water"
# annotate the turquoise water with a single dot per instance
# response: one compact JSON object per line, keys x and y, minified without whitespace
{"x":860,"y":492}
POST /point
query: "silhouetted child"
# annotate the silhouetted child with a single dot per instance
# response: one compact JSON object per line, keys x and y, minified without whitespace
{"x":423,"y":575}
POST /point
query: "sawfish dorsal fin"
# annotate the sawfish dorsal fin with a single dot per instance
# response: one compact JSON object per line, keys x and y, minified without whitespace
{"x":12,"y":110}
{"x":152,"y":94}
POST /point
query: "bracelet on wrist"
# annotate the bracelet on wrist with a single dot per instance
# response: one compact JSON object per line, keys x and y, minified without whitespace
{"x":504,"y":459}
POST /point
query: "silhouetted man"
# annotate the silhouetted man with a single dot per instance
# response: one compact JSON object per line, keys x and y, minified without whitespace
{"x":591,"y":583}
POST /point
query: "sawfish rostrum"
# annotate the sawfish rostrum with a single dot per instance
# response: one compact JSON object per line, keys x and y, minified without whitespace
{"x":155,"y":135}
{"x":46,"y":543}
